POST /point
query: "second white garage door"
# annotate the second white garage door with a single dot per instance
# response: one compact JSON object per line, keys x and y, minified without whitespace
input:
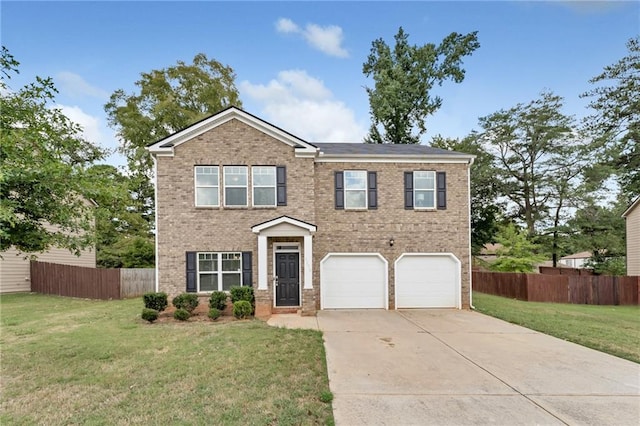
{"x":353,"y":280}
{"x":425,"y":280}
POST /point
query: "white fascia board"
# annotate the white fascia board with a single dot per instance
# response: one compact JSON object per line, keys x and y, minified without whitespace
{"x":222,"y":118}
{"x":446,"y":159}
{"x":284,"y":219}
{"x":633,"y":205}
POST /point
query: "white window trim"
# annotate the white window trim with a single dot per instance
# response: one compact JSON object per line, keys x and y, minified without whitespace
{"x":224,"y":190}
{"x":220,"y":273}
{"x":196,"y":186}
{"x":424,"y":190}
{"x":366,"y":190}
{"x":274,"y":186}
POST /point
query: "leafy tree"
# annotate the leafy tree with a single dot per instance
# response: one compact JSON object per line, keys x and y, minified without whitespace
{"x":517,"y":253}
{"x":168,"y":100}
{"x":123,"y":239}
{"x":485,"y":211}
{"x":615,"y":123}
{"x":44,"y":184}
{"x":530,"y":143}
{"x":404,"y":76}
{"x":601,"y":231}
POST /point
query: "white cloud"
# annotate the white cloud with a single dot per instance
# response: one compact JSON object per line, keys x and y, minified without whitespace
{"x":75,"y":86}
{"x":303,"y":106}
{"x":326,"y":39}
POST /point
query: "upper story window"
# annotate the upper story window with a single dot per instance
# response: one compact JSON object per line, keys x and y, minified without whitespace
{"x":356,"y":190}
{"x":264,"y":186}
{"x":207,"y":186}
{"x":424,"y":189}
{"x":235,"y":186}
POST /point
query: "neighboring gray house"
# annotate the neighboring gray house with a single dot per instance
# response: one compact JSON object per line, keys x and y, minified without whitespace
{"x":632,"y":219}
{"x":310,"y":225}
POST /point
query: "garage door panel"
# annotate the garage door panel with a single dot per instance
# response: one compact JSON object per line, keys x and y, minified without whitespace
{"x":427,"y":281}
{"x":353,"y":281}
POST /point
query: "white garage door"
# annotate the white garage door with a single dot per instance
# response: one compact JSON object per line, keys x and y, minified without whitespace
{"x":427,"y":281}
{"x":350,"y":280}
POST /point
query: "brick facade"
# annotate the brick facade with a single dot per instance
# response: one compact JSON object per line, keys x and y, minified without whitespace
{"x":182,"y":227}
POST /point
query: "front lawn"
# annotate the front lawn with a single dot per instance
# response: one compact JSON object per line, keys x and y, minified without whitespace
{"x":74,"y":361}
{"x":611,"y":329}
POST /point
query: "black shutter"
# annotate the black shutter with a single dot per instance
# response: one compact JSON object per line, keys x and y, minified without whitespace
{"x":281,"y":179}
{"x":247,"y":274}
{"x":192,"y":271}
{"x":408,"y":190}
{"x":442,"y":190}
{"x":339,"y":190}
{"x":373,"y":190}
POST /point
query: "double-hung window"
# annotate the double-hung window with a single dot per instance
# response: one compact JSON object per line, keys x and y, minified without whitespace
{"x":219,"y":271}
{"x":207,"y":186}
{"x":264,"y":186}
{"x":235,"y":186}
{"x":355,"y":189}
{"x":424,"y":190}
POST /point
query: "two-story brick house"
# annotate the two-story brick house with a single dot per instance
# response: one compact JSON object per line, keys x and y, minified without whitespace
{"x":310,"y":226}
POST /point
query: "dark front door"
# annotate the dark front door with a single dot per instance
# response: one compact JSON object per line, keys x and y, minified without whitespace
{"x":288,"y":284}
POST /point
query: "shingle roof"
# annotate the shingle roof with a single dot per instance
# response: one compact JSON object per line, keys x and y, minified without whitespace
{"x":382,"y":149}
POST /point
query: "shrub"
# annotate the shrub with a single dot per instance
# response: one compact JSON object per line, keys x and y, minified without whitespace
{"x":241,"y":293}
{"x":149,"y":314}
{"x":186,"y":301}
{"x":214,"y":313}
{"x":242,"y":309}
{"x":218,"y":300}
{"x":181,"y":314}
{"x":156,"y":301}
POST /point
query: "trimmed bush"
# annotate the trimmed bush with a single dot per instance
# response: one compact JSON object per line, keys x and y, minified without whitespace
{"x":218,"y":300}
{"x":156,"y":301}
{"x":149,"y":314}
{"x":242,"y":309}
{"x":186,"y":301}
{"x":214,"y":313}
{"x":181,"y":314}
{"x":241,"y":293}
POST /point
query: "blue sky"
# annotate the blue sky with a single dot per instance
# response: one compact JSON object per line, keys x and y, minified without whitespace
{"x":299,"y":64}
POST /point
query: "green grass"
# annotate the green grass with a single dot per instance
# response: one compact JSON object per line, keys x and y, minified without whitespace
{"x":611,"y":329}
{"x":73,"y":361}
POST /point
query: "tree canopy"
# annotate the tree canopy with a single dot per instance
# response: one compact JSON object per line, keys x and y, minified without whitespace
{"x":45,"y":190}
{"x":168,"y":100}
{"x":404,"y":76}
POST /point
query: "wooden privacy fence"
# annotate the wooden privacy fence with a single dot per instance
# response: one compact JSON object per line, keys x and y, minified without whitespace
{"x":578,"y":289}
{"x":90,"y":283}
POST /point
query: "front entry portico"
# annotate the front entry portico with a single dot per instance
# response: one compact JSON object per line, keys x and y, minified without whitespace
{"x":292,"y":267}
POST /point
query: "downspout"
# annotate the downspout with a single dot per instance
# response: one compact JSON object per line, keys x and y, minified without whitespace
{"x":155,"y":217}
{"x":469,"y":219}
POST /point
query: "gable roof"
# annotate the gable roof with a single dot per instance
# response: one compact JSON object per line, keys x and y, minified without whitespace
{"x":387,"y":152}
{"x":633,"y":205}
{"x":165,"y":146}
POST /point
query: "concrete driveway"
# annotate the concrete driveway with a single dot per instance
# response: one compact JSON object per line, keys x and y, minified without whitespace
{"x":451,"y":367}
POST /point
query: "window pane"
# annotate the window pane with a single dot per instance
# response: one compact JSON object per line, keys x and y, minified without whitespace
{"x":208,"y":265}
{"x":424,"y":180}
{"x":208,"y":282}
{"x":424,"y":199}
{"x":355,"y":199}
{"x":264,"y":196}
{"x":235,"y":176}
{"x":207,"y":196}
{"x":355,"y":180}
{"x":231,"y":261}
{"x":230,"y":280}
{"x":235,"y":196}
{"x":264,"y":176}
{"x":206,"y":176}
